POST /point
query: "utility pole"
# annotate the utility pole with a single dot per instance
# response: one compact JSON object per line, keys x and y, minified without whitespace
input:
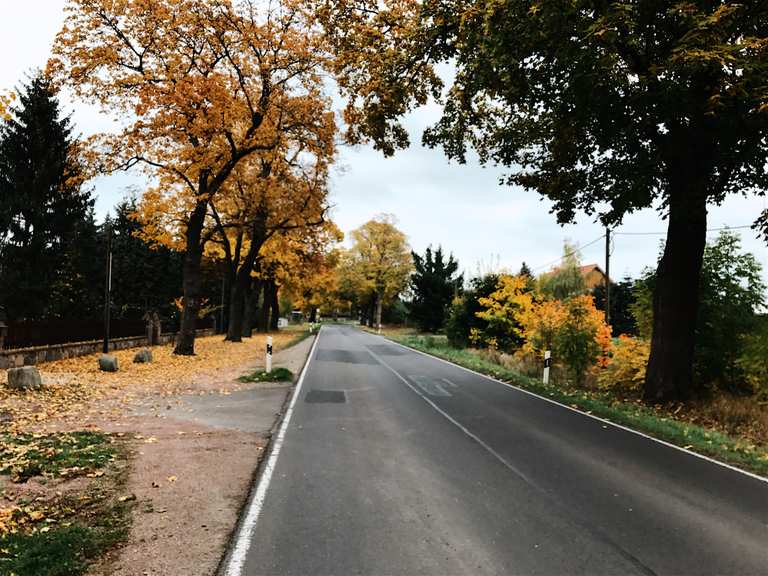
{"x":607,"y":275}
{"x":107,"y":287}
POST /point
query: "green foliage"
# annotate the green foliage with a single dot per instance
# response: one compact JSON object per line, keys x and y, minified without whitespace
{"x":566,"y":280}
{"x":622,"y":298}
{"x":462,"y":315}
{"x":44,"y":210}
{"x":642,"y":305}
{"x":575,"y":340}
{"x":753,"y":362}
{"x":146,"y":277}
{"x":277,"y":375}
{"x":731,"y":292}
{"x":434,"y":284}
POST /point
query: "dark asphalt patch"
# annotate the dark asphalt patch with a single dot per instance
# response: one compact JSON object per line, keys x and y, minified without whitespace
{"x":346,"y":356}
{"x":386,"y":350}
{"x":325,"y":397}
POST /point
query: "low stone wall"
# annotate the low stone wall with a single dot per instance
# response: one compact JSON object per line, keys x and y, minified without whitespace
{"x":39,"y":354}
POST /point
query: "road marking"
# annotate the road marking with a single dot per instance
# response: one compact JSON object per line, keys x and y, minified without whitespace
{"x":460,"y":426}
{"x":614,"y":424}
{"x":243,"y":542}
{"x":429,"y":386}
{"x":451,"y":384}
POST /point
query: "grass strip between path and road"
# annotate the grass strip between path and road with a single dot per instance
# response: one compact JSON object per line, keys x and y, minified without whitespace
{"x":633,"y":415}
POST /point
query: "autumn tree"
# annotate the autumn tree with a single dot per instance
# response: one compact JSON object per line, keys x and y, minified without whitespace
{"x":434,"y":284}
{"x":607,"y":108}
{"x":379,"y":261}
{"x":199,"y":86}
{"x":275,"y":192}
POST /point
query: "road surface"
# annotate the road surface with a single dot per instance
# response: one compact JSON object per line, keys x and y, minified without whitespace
{"x":393,"y":462}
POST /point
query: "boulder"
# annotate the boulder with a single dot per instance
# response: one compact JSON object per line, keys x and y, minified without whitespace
{"x":108,"y":363}
{"x":26,"y":378}
{"x":143,"y":356}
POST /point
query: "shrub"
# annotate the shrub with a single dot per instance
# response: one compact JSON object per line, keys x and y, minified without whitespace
{"x":575,"y":331}
{"x":753,"y":362}
{"x":625,"y":369}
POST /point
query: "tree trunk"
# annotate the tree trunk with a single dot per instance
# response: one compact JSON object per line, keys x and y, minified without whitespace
{"x":185,"y":341}
{"x":379,"y":298}
{"x":236,"y":312}
{"x":258,"y":236}
{"x":274,"y":308}
{"x":263,"y":319}
{"x":676,"y":297}
{"x":313,"y":315}
{"x":248,"y":312}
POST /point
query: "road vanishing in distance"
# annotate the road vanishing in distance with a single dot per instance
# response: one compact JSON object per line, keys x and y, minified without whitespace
{"x":397,"y":463}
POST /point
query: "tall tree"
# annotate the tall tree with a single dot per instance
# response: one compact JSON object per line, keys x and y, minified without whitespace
{"x":43,"y":204}
{"x":380,"y":260}
{"x":434,"y":284}
{"x":609,"y":107}
{"x":205,"y":83}
{"x":566,"y":279}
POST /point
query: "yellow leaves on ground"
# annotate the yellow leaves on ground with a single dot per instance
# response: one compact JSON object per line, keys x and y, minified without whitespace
{"x":73,"y":386}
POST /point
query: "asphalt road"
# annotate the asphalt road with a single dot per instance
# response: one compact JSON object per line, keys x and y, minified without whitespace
{"x":397,"y":463}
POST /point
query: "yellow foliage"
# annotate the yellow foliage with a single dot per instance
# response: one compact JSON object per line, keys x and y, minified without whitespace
{"x":505,"y":307}
{"x":625,"y":369}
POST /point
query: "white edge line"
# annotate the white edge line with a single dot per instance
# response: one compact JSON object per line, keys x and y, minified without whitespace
{"x":243,"y":542}
{"x":455,"y":422}
{"x":614,"y":424}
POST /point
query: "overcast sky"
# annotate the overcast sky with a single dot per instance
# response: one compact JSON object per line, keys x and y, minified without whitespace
{"x":461,"y":207}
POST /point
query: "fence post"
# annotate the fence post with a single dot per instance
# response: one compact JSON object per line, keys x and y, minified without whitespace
{"x":268,"y":363}
{"x":547,"y":364}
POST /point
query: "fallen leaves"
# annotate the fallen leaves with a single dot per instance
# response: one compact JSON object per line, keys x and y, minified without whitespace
{"x":75,"y":387}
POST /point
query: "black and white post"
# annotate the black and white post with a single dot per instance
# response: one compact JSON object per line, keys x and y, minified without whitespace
{"x":547,"y":364}
{"x":268,"y":363}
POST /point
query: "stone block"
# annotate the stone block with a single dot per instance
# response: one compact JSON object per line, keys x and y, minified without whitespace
{"x":108,"y":363}
{"x":26,"y":378}
{"x":143,"y":356}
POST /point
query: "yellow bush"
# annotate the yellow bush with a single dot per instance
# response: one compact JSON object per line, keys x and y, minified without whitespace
{"x":625,"y":370}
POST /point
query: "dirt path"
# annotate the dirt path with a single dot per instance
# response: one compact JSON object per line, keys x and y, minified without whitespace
{"x":193,"y":465}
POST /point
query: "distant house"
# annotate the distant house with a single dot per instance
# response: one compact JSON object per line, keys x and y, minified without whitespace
{"x":593,"y":275}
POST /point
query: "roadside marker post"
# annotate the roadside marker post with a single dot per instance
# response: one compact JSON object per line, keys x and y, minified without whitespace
{"x":268,"y":363}
{"x":547,"y":364}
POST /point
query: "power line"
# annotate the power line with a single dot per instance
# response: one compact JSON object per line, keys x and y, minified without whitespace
{"x":567,"y":254}
{"x":596,"y":240}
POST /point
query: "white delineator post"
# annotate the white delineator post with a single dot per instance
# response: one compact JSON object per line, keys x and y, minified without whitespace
{"x":547,"y":364}
{"x":268,"y":363}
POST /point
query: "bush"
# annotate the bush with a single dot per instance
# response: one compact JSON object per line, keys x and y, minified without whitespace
{"x":462,"y":315}
{"x":753,"y":362}
{"x":574,"y":330}
{"x":625,"y":369}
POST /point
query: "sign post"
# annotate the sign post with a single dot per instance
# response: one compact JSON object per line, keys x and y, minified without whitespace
{"x":547,"y":364}
{"x":268,"y":363}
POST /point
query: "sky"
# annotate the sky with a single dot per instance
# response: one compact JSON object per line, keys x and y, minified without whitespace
{"x":486,"y":226}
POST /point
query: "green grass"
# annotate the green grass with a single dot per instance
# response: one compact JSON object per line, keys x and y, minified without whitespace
{"x":277,"y":375}
{"x":75,"y":530}
{"x":63,"y":454}
{"x":633,"y":415}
